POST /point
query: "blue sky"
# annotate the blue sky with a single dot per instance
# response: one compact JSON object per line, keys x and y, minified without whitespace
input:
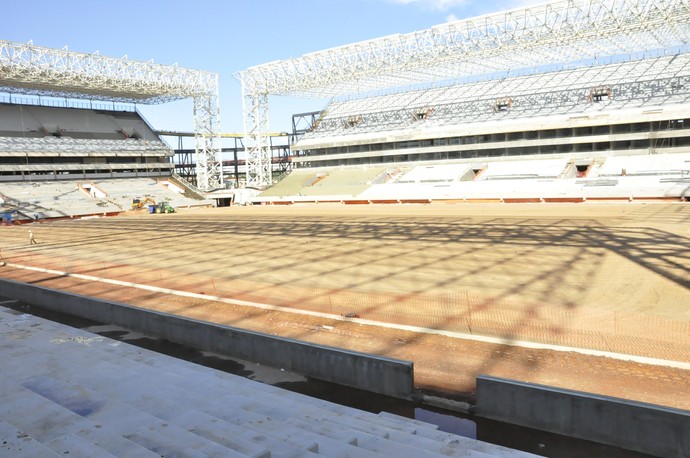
{"x":224,"y":36}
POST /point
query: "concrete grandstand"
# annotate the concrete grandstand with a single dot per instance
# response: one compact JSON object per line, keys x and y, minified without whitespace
{"x":66,"y":162}
{"x":604,"y":114}
{"x":61,"y":156}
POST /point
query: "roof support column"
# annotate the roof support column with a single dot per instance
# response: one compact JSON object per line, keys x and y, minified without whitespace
{"x":256,"y":137}
{"x":207,"y":141}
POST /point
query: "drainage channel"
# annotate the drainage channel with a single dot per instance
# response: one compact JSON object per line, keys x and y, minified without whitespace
{"x":463,"y":424}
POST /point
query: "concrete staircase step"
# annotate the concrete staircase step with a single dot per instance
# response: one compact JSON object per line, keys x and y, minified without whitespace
{"x":115,"y":444}
{"x":292,"y":433}
{"x":153,"y":433}
{"x":377,"y":443}
{"x":282,"y":409}
{"x":343,"y":436}
{"x":450,"y":448}
{"x":421,"y":424}
{"x":361,"y":422}
{"x":264,"y":431}
{"x":17,"y":444}
{"x":54,"y":420}
{"x":67,"y":390}
{"x":455,"y":442}
{"x":166,"y":443}
{"x":227,"y":434}
{"x":58,"y":427}
{"x":76,"y":447}
{"x":478,"y":454}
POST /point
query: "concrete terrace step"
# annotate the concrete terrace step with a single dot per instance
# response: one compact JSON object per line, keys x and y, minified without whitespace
{"x":231,"y":436}
{"x":57,"y":428}
{"x":18,"y":444}
{"x":290,"y":433}
{"x":264,"y":430}
{"x":155,"y":434}
{"x":373,"y":444}
{"x":65,"y":391}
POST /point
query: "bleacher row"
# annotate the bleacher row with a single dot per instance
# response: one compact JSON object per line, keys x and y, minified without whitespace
{"x":634,"y":84}
{"x":77,"y":146}
{"x":68,"y":392}
{"x":42,"y":121}
{"x":640,"y":176}
{"x":47,"y":153}
{"x":45,"y":140}
{"x":54,"y":199}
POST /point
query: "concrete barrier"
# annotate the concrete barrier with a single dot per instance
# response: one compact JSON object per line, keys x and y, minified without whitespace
{"x":373,"y":373}
{"x":631,"y":425}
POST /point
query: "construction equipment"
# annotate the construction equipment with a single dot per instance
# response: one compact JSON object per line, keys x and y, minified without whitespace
{"x":138,"y":204}
{"x":165,"y":207}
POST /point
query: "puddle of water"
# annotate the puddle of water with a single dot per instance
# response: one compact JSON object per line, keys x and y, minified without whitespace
{"x":447,"y":422}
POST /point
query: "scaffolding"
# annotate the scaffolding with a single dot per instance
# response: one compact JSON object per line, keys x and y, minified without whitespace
{"x":576,"y":32}
{"x":40,"y":71}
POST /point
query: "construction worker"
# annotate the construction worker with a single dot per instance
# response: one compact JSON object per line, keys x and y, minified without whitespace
{"x":32,"y":240}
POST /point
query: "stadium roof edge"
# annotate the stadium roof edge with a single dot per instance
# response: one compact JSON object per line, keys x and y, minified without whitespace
{"x":546,"y":34}
{"x":37,"y":70}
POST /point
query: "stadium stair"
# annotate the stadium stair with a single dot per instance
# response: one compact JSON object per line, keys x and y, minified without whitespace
{"x":67,"y":391}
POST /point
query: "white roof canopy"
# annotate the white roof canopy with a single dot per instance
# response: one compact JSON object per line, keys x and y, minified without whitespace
{"x":36,"y":70}
{"x":555,"y":33}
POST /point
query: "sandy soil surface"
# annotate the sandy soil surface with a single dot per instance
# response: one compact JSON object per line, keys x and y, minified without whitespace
{"x":600,"y":276}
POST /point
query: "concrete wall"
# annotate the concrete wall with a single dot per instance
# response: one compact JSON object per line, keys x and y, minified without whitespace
{"x":646,"y":428}
{"x":359,"y":370}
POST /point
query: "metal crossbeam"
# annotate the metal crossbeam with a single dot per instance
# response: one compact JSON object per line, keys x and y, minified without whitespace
{"x":256,"y":139}
{"x":532,"y":104}
{"x":37,"y":70}
{"x":563,"y":31}
{"x":576,"y":32}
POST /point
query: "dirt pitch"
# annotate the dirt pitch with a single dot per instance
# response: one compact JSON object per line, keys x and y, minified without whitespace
{"x":613,"y":277}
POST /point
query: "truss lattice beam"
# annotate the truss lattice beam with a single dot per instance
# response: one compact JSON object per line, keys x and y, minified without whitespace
{"x":36,"y":70}
{"x":256,"y":138}
{"x":207,"y":141}
{"x":558,"y":32}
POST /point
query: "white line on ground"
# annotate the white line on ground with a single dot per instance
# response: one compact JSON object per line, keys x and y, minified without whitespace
{"x":402,"y":327}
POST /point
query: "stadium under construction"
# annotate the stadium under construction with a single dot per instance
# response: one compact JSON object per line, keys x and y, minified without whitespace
{"x":566,"y":100}
{"x":573,"y":101}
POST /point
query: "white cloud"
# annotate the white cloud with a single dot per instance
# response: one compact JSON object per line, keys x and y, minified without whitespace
{"x":438,"y":5}
{"x":486,"y":6}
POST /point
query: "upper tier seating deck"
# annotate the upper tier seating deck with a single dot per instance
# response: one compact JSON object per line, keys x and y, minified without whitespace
{"x":633,"y":84}
{"x":79,"y":146}
{"x":41,"y":121}
{"x":39,"y":143}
